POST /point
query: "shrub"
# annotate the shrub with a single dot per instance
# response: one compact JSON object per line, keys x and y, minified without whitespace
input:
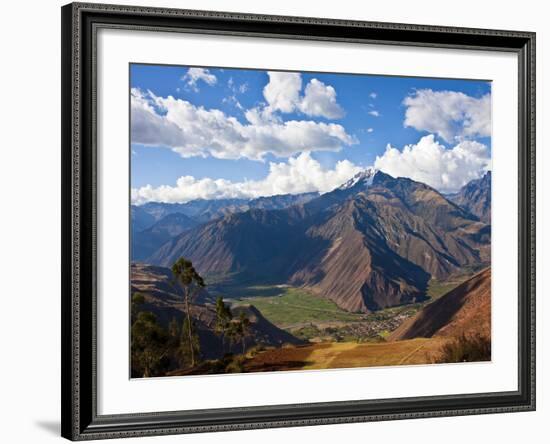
{"x":466,"y":349}
{"x":235,"y":365}
{"x":253,"y":351}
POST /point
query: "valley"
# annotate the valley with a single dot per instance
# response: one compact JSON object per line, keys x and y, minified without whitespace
{"x":317,"y":319}
{"x":380,"y":271}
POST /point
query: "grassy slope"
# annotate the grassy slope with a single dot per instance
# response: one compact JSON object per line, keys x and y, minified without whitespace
{"x":346,"y":355}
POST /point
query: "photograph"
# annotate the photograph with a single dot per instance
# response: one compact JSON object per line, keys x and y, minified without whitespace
{"x":284,"y":221}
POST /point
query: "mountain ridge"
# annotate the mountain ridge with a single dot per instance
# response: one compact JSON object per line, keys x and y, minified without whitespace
{"x":204,"y":210}
{"x":146,"y":242}
{"x":475,"y":197}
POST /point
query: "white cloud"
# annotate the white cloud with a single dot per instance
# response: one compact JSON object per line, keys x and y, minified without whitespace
{"x":453,"y":116}
{"x":282,"y":93}
{"x":374,"y":113}
{"x":194,"y":75}
{"x":370,"y":130}
{"x":431,"y":163}
{"x":373,"y":95}
{"x":299,"y":175}
{"x":320,"y":100}
{"x":232,"y":99}
{"x":195,"y":131}
{"x":241,"y":89}
{"x":148,"y":127}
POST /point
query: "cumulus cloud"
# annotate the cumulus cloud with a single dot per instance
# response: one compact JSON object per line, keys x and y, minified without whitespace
{"x":320,"y":100}
{"x":374,"y":113}
{"x":430,"y":162}
{"x":370,"y":130}
{"x":300,"y":174}
{"x":453,"y":116}
{"x":373,"y":95}
{"x":194,"y":75}
{"x":283,"y":93}
{"x":147,"y":126}
{"x":195,"y":131}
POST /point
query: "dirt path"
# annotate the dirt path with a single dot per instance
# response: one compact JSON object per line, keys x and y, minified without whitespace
{"x":416,"y":350}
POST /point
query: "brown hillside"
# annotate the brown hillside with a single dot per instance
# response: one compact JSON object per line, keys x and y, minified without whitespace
{"x":356,"y":268}
{"x":464,"y":310}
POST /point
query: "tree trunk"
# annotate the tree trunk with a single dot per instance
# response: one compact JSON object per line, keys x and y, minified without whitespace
{"x":189,"y":328}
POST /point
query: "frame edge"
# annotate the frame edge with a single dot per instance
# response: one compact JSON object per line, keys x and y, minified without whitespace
{"x":73,"y":424}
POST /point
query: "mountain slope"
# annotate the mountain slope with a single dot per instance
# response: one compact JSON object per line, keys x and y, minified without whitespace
{"x":281,"y":201}
{"x":141,"y":219}
{"x":163,"y":299}
{"x":146,"y":242}
{"x":354,"y":266}
{"x":257,"y":240}
{"x":373,"y":243}
{"x":475,"y":197}
{"x":464,"y":310}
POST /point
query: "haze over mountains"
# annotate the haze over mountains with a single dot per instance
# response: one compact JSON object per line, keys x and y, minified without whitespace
{"x":372,"y":243}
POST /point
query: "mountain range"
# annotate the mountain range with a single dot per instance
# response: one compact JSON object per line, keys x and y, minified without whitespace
{"x":154,"y":223}
{"x":372,"y":243}
{"x":204,"y":210}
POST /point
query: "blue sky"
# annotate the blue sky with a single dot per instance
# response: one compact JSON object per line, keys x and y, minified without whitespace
{"x":224,"y":129}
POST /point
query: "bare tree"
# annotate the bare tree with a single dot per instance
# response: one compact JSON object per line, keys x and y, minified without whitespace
{"x":192,"y":284}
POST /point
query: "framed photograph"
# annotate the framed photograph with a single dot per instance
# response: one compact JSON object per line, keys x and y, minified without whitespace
{"x":281,"y":221}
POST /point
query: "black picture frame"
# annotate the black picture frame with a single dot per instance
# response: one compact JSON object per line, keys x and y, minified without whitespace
{"x":80,"y":22}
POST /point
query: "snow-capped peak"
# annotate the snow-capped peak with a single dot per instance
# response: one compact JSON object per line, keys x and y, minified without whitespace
{"x":365,"y":177}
